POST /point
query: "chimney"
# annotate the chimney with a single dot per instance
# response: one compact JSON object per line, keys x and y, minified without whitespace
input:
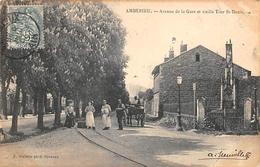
{"x":171,"y":53}
{"x":183,"y":48}
{"x":166,"y":58}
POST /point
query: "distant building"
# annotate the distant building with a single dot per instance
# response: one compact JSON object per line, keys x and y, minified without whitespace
{"x":219,"y":81}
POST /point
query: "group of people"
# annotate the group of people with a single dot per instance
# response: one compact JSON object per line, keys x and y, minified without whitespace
{"x":90,"y":110}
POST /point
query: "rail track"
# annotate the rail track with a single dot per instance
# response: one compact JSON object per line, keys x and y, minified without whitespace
{"x":107,"y":149}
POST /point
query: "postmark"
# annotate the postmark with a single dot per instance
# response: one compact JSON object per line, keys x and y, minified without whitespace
{"x":24,"y":29}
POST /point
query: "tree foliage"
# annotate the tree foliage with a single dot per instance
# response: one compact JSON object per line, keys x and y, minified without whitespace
{"x":90,"y":39}
{"x":149,"y":94}
{"x":83,"y":56}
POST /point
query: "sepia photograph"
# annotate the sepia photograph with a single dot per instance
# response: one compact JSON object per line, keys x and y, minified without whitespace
{"x":129,"y":83}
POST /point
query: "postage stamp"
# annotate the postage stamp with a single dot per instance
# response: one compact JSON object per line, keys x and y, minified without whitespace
{"x":25,"y":27}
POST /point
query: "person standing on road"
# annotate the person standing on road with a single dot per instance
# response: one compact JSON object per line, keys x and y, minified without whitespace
{"x":137,"y":101}
{"x":69,"y":122}
{"x":90,"y":122}
{"x":106,"y":111}
{"x":120,"y":111}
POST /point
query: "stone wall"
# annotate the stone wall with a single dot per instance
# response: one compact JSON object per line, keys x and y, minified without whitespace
{"x":148,"y":107}
{"x":207,"y":73}
{"x":231,"y":121}
{"x":246,"y":90}
{"x":188,"y":121}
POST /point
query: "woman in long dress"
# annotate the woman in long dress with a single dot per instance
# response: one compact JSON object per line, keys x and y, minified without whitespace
{"x":69,"y":112}
{"x":90,"y":122}
{"x":105,"y":111}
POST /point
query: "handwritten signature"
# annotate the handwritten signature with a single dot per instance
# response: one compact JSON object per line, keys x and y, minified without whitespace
{"x":234,"y":155}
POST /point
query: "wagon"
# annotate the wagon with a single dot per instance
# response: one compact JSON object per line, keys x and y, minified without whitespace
{"x":135,"y":112}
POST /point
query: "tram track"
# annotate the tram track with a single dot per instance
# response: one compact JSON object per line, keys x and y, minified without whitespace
{"x":108,"y":149}
{"x":109,"y":138}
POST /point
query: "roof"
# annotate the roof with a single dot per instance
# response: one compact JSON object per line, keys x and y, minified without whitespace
{"x":184,"y":53}
{"x":156,"y":70}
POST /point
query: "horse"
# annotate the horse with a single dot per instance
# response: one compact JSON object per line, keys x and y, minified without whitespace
{"x":134,"y":112}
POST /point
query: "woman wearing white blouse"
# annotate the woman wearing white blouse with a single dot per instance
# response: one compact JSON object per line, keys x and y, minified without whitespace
{"x":90,"y":122}
{"x":105,"y":111}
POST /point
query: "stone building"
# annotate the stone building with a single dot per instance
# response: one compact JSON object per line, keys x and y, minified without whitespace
{"x":213,"y":77}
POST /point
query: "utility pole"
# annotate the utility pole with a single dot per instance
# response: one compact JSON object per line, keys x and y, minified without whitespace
{"x":179,"y":125}
{"x":194,"y":103}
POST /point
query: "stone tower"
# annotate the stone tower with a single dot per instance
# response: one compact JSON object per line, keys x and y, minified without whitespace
{"x":228,"y":86}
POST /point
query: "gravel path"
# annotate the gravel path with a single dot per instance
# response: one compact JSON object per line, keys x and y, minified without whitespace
{"x":61,"y":148}
{"x":28,"y":125}
{"x":153,"y":145}
{"x":167,"y":147}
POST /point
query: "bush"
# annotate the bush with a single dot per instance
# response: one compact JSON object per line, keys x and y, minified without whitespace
{"x":168,"y":121}
{"x":207,"y":124}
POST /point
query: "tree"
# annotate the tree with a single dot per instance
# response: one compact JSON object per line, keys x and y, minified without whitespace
{"x":17,"y":67}
{"x":5,"y":78}
{"x":141,"y":94}
{"x":90,"y":39}
{"x":83,"y":58}
{"x":148,"y":94}
{"x":14,"y":126}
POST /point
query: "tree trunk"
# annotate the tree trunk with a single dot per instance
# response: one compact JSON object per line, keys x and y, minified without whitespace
{"x":4,"y":102}
{"x":84,"y":105}
{"x":35,"y":103}
{"x":46,"y":108}
{"x":15,"y":109}
{"x":57,"y":109}
{"x":76,"y":105}
{"x":40,"y":110}
{"x":24,"y":100}
{"x":3,"y":71}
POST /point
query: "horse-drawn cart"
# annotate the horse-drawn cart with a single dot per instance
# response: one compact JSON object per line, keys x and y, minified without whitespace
{"x":134,"y":112}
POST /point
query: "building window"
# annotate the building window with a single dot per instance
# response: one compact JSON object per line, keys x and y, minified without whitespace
{"x":197,"y":57}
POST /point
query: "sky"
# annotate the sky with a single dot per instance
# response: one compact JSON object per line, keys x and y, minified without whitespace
{"x":149,"y":35}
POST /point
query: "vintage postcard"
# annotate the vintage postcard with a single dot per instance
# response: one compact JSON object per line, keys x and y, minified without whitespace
{"x":127,"y":83}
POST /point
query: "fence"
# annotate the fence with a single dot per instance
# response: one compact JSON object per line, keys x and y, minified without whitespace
{"x":231,"y":120}
{"x":186,"y":108}
{"x":188,"y":121}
